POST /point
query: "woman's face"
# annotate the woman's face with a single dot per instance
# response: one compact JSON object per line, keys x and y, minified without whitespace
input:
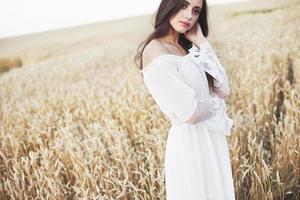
{"x":186,"y":17}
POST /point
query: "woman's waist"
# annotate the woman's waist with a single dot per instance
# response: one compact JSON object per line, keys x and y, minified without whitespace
{"x":218,"y":123}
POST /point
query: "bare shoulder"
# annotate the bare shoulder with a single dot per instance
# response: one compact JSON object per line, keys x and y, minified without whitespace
{"x":151,"y":51}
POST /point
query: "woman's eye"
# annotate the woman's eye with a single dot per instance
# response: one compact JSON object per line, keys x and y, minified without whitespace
{"x":197,"y":12}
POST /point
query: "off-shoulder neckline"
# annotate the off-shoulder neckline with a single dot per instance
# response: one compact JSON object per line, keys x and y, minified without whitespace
{"x":168,"y":55}
{"x":162,"y":57}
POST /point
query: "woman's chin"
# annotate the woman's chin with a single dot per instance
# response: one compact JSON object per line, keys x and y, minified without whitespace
{"x":181,"y":30}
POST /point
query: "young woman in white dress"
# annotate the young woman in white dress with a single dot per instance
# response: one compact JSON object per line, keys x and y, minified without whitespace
{"x":189,"y":84}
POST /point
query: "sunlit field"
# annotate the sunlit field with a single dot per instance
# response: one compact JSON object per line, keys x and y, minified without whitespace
{"x":76,"y":121}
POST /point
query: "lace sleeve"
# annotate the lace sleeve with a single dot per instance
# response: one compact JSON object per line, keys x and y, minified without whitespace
{"x":205,"y":57}
{"x":206,"y":109}
{"x":211,"y":112}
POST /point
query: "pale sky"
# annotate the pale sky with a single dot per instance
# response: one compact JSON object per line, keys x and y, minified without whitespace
{"x":20,"y":17}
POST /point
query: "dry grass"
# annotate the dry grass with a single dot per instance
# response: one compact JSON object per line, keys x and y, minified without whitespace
{"x":81,"y":124}
{"x":7,"y":64}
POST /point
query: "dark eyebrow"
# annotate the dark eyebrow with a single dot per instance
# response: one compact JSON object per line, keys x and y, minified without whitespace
{"x":189,"y":4}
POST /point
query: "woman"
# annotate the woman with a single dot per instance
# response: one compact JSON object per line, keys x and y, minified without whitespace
{"x":189,"y":84}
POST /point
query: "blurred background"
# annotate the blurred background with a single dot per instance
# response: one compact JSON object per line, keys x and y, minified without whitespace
{"x":76,"y":121}
{"x":20,"y":17}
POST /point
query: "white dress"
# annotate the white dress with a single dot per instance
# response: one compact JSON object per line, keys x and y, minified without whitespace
{"x":197,"y":161}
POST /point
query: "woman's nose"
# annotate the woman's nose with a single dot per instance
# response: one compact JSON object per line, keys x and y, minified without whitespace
{"x":188,"y":14}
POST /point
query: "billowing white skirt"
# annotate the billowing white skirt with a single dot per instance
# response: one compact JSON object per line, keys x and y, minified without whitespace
{"x":197,"y":165}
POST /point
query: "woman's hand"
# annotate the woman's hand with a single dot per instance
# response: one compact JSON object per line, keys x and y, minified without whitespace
{"x":195,"y":34}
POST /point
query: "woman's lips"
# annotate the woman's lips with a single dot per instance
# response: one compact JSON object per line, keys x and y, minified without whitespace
{"x":184,"y":23}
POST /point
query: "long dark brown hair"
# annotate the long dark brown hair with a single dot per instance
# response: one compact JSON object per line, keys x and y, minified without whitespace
{"x":167,"y":9}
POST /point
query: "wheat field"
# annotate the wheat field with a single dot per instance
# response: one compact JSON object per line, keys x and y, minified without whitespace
{"x":76,"y":121}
